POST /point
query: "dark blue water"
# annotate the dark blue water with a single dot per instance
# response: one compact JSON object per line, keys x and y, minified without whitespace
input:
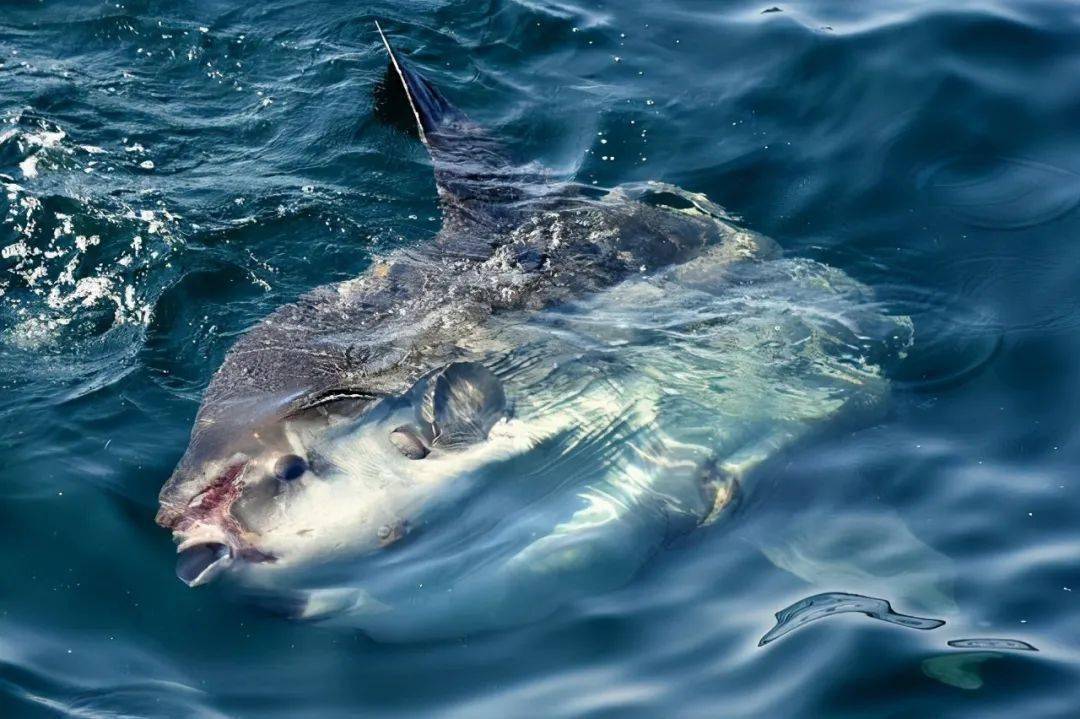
{"x":173,"y":171}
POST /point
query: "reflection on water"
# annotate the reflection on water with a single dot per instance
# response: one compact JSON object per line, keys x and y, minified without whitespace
{"x":172,"y":173}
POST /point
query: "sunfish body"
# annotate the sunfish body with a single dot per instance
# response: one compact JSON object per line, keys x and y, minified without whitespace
{"x":472,"y":434}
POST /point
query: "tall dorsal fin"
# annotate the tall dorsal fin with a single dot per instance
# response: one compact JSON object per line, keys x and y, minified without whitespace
{"x":477,"y":182}
{"x":434,"y":114}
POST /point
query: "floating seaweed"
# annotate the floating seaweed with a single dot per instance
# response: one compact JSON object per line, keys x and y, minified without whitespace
{"x":828,"y":604}
{"x":1015,"y":644}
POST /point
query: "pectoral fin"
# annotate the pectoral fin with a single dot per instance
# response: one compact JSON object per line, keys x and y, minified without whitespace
{"x":460,"y":404}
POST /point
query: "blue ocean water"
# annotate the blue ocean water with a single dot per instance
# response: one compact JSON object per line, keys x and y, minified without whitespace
{"x":173,"y":171}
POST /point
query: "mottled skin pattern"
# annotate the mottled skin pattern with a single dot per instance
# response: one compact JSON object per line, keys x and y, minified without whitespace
{"x":376,"y":333}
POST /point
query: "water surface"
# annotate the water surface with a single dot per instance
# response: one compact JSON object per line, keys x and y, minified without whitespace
{"x":173,"y":171}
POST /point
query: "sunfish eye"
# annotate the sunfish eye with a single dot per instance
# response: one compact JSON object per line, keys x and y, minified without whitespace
{"x":289,"y":467}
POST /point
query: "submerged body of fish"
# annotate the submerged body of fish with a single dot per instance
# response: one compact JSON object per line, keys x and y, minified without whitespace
{"x":474,"y":433}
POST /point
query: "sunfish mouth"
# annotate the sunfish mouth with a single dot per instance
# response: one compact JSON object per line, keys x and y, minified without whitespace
{"x":199,"y":563}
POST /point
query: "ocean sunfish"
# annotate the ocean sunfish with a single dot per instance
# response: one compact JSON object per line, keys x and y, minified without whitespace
{"x":523,"y":411}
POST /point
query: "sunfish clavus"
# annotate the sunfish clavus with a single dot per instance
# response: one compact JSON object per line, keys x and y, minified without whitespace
{"x":523,"y":411}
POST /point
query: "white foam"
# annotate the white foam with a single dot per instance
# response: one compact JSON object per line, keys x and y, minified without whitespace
{"x":48,"y":254}
{"x":16,"y":249}
{"x":45,"y":138}
{"x":29,"y":167}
